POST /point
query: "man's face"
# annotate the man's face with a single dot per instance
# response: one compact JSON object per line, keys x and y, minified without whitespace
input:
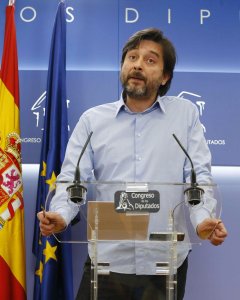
{"x":142,"y":70}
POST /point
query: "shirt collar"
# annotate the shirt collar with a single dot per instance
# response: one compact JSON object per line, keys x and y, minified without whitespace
{"x":158,"y":103}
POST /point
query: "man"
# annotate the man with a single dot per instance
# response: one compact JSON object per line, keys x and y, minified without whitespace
{"x":132,"y":142}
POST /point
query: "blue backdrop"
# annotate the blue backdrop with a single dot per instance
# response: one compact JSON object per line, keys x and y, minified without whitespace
{"x":206,"y":35}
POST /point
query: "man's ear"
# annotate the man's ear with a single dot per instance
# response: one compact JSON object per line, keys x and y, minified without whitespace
{"x":166,"y":77}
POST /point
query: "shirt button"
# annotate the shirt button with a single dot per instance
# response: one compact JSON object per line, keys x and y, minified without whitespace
{"x":139,"y":134}
{"x":138,"y":157}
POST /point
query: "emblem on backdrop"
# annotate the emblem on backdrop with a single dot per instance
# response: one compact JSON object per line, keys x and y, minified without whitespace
{"x":201,"y":104}
{"x":38,"y":110}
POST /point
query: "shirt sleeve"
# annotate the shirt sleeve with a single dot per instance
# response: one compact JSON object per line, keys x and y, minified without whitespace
{"x":60,"y":202}
{"x":201,"y":157}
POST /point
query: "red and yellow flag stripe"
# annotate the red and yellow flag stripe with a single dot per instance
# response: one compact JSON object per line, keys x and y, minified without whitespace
{"x":12,"y":242}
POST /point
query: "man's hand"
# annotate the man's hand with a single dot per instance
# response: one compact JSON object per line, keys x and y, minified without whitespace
{"x":50,"y":222}
{"x":213,"y":230}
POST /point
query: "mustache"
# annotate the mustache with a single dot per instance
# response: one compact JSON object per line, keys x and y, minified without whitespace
{"x":137,"y":75}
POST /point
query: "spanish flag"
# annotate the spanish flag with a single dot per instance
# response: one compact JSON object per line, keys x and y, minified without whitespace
{"x":12,"y":243}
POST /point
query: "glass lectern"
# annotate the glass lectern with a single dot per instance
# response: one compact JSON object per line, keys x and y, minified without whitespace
{"x":140,"y":228}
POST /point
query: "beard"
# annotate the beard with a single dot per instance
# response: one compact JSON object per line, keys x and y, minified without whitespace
{"x":135,"y":91}
{"x":139,"y":91}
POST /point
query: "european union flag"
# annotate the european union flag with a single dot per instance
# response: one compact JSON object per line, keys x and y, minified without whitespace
{"x":53,"y":275}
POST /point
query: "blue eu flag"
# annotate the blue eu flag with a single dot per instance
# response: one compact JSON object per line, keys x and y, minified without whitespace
{"x":53,"y":274}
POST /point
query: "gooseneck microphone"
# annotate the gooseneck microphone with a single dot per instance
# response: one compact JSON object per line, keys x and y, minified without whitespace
{"x":194,"y":193}
{"x":76,"y":191}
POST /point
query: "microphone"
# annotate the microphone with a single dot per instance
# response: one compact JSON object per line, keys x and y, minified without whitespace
{"x":76,"y":192}
{"x":194,"y":193}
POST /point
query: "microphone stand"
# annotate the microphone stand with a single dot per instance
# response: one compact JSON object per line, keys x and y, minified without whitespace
{"x":194,"y":192}
{"x":76,"y":191}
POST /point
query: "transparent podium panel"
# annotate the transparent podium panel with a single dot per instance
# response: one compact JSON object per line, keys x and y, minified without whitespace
{"x":134,"y":228}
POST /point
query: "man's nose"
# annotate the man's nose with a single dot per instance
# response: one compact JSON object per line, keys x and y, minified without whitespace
{"x":138,"y":65}
{"x":137,"y":68}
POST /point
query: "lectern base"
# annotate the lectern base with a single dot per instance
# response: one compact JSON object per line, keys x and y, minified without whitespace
{"x":130,"y":286}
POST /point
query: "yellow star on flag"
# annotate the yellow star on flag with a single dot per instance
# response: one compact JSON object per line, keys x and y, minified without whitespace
{"x":52,"y":180}
{"x":44,"y":169}
{"x":49,"y":252}
{"x":39,"y":272}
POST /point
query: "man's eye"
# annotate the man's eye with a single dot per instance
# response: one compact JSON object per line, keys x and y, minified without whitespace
{"x":132,"y":57}
{"x":150,"y":61}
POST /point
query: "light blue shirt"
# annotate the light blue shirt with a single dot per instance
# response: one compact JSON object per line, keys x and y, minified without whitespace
{"x":138,"y":147}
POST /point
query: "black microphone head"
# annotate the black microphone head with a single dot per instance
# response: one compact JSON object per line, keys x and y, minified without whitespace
{"x":77,"y":193}
{"x":194,"y":195}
